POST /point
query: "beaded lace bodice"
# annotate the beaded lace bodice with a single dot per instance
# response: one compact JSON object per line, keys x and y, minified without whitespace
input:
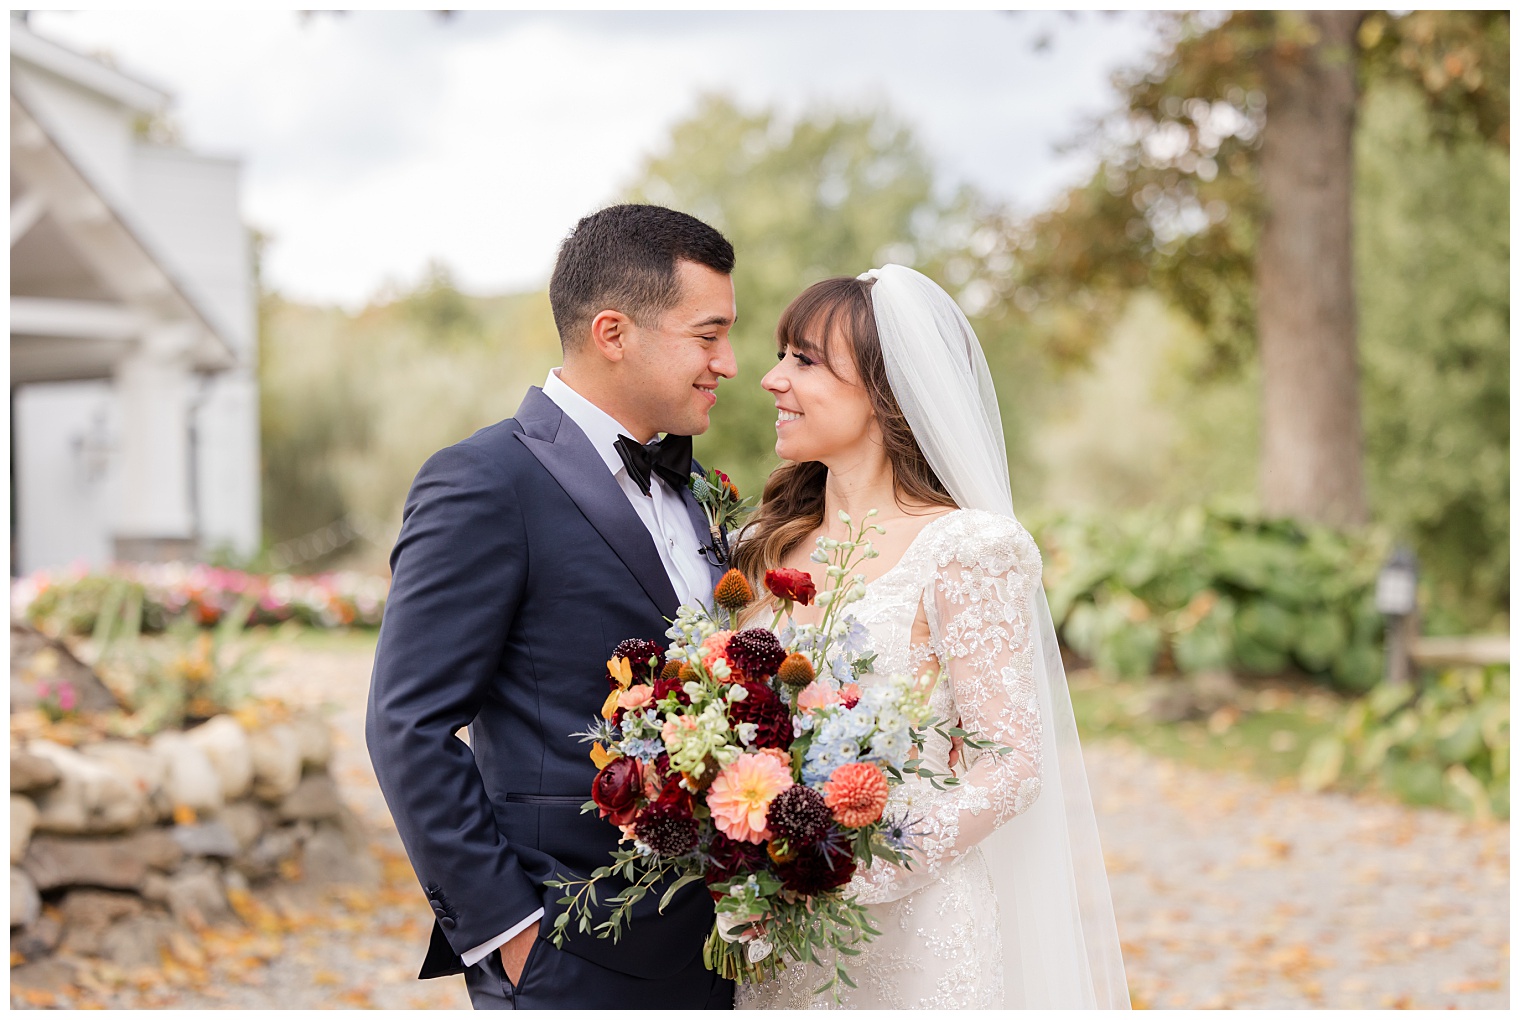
{"x":972,"y":576}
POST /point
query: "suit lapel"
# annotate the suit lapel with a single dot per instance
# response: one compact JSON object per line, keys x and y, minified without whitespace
{"x":566,"y":453}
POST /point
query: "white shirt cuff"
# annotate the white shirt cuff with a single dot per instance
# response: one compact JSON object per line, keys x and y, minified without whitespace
{"x":481,"y":951}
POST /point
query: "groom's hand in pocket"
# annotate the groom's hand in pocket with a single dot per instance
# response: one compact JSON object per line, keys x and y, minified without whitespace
{"x":514,"y":954}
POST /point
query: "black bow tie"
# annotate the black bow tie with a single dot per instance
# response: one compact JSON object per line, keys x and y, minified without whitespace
{"x":670,"y":458}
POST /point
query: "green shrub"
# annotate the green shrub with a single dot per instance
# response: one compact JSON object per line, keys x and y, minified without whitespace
{"x":1205,"y":589}
{"x":184,"y":676}
{"x":1444,"y":744}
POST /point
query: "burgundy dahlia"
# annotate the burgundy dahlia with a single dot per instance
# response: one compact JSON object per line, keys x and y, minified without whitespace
{"x":757,"y":653}
{"x":800,"y":814}
{"x":773,"y":723}
{"x":667,"y":829}
{"x":729,"y":857}
{"x":818,"y":868}
{"x":671,"y":685}
{"x":638,"y":652}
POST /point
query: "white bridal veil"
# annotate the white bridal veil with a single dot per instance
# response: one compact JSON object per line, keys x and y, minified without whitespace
{"x":1060,"y":943}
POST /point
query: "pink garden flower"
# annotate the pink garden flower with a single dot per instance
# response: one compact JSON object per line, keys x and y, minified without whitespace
{"x":742,"y":794}
{"x":817,"y":695}
{"x":635,"y":697}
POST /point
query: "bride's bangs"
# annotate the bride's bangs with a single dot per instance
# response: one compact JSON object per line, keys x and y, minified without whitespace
{"x":825,"y":317}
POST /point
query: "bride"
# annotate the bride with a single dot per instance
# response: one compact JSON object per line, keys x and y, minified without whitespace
{"x":884,"y":401}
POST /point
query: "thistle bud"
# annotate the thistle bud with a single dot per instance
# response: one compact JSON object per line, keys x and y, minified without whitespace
{"x":796,"y":671}
{"x":733,"y":592}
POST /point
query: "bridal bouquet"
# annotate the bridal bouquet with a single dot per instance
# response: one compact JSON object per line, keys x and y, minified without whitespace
{"x":752,"y":762}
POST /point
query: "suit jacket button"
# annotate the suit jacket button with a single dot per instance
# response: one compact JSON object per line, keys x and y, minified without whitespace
{"x":447,"y":922}
{"x":436,"y":904}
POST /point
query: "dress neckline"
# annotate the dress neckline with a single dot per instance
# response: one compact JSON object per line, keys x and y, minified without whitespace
{"x":908,"y":549}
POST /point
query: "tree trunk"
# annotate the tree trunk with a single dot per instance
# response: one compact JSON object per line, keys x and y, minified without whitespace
{"x":1311,"y":465}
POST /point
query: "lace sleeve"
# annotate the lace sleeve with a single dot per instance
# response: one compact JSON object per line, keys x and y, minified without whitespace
{"x":979,"y":606}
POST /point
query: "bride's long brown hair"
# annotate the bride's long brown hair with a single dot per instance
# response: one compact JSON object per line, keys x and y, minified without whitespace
{"x":791,"y":506}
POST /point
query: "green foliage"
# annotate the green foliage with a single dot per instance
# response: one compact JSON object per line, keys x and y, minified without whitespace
{"x":88,"y":604}
{"x":1139,"y":428}
{"x":1444,"y":744}
{"x":352,"y":404}
{"x":185,"y":675}
{"x":829,"y":195}
{"x":1202,"y":590}
{"x":1458,"y":61}
{"x":1433,"y":256}
{"x":150,"y":598}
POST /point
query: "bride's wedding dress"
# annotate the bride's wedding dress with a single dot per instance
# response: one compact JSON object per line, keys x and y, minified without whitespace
{"x":975,"y":575}
{"x":1007,"y":904}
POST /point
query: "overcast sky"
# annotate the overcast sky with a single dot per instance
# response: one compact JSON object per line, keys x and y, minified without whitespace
{"x":375,"y":142}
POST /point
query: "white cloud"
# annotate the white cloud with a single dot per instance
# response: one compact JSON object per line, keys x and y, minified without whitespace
{"x":375,"y":142}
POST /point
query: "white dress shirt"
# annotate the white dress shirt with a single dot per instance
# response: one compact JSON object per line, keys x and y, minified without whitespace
{"x":663,"y":512}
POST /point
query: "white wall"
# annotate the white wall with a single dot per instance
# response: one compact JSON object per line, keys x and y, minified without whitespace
{"x":95,"y":132}
{"x":63,"y":504}
{"x":227,"y":464}
{"x":188,"y":206}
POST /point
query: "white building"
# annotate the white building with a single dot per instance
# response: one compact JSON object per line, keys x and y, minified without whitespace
{"x":134,"y":398}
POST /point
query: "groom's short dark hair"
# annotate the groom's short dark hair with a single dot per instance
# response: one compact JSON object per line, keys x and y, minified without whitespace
{"x":624,"y":258}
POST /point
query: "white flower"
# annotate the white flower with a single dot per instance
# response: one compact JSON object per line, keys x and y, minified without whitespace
{"x":728,"y":921}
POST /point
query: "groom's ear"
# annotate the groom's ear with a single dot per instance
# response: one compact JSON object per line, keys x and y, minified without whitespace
{"x":610,"y":334}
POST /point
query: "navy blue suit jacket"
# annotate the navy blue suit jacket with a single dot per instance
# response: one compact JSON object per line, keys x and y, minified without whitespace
{"x":519,"y":566}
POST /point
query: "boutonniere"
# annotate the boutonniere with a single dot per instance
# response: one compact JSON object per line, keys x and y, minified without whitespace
{"x":720,"y":501}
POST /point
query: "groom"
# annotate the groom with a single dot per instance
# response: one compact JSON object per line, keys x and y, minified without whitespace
{"x":526,"y":553}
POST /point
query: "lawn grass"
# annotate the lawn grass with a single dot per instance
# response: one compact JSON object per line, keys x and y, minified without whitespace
{"x":1264,"y":730}
{"x":316,"y":639}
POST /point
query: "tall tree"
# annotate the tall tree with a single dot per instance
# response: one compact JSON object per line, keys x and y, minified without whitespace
{"x":1311,"y":464}
{"x":1225,"y":185}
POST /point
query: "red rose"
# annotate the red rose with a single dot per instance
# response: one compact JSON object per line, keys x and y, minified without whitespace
{"x":791,"y":585}
{"x":673,"y":797}
{"x":616,"y":790}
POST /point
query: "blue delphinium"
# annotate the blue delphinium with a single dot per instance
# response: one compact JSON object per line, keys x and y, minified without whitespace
{"x":837,"y":740}
{"x":645,"y":749}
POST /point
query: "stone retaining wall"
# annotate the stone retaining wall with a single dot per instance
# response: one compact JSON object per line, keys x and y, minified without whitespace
{"x":117,"y":844}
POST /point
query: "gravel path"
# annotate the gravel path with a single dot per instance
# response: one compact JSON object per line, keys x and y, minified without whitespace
{"x":1233,"y":893}
{"x":1229,"y":893}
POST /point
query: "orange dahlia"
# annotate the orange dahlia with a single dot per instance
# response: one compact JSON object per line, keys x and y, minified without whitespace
{"x":741,"y":796}
{"x":715,"y":648}
{"x":856,"y":793}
